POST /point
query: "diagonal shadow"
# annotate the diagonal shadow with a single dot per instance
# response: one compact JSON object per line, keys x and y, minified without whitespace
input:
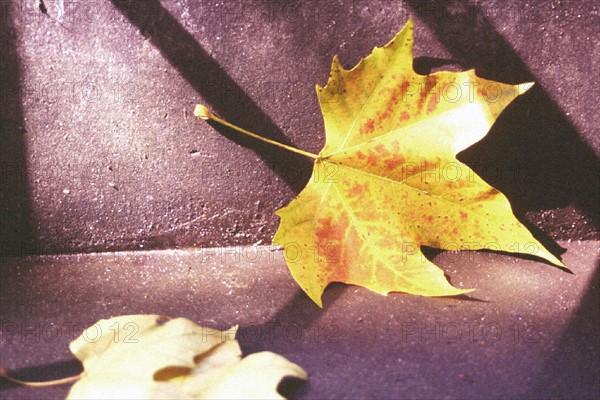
{"x":16,"y":237}
{"x":205,"y":75}
{"x":299,"y":313}
{"x":537,"y":157}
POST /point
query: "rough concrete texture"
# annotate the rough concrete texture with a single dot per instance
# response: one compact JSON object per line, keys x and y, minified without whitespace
{"x":100,"y":150}
{"x":530,"y":331}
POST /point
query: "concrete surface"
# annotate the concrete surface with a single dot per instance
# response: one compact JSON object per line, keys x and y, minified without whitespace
{"x":529,"y":331}
{"x":100,"y":151}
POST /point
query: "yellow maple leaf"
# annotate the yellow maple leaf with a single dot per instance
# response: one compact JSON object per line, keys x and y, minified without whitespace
{"x":388,"y":181}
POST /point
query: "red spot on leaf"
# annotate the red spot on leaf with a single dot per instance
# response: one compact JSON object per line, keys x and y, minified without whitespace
{"x":432,"y":103}
{"x":394,"y":162}
{"x":404,"y":116}
{"x":328,"y":229}
{"x":357,"y":190}
{"x":403,"y":87}
{"x":368,"y":127}
{"x":330,"y":235}
{"x":338,"y":244}
{"x":384,"y":115}
{"x":486,"y":195}
{"x":361,"y":155}
{"x":430,"y":83}
{"x":463,"y":215}
{"x":428,"y":165}
{"x":372,"y":159}
{"x":382,"y":150}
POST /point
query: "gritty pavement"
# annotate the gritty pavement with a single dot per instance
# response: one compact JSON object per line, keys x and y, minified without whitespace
{"x":123,"y":202}
{"x":529,"y":331}
{"x":100,"y":150}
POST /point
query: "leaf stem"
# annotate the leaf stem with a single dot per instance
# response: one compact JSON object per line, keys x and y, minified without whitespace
{"x":205,"y":113}
{"x":62,"y":381}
